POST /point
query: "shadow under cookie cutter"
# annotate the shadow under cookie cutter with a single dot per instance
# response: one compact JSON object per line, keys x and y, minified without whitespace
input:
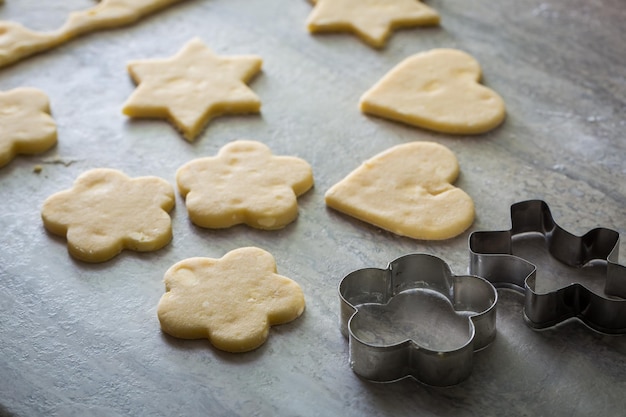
{"x":491,"y":257}
{"x":382,"y":310}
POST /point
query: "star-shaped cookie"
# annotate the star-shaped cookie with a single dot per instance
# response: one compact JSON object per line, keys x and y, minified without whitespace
{"x":26,"y":126}
{"x":371,"y":20}
{"x":192,"y":87}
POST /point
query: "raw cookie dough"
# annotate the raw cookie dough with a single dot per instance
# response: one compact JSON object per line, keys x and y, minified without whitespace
{"x":106,"y":211}
{"x":26,"y":126}
{"x":407,"y":190}
{"x":244,"y":183}
{"x":232,"y":301}
{"x":18,"y":42}
{"x":192,"y":87}
{"x":371,"y":20}
{"x":436,"y":90}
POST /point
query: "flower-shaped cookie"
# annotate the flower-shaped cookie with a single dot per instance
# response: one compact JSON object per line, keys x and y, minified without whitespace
{"x":416,"y":319}
{"x":232,"y":301}
{"x":436,"y":90}
{"x":407,"y":190}
{"x":26,"y":126}
{"x":371,"y":20}
{"x":106,"y":211}
{"x":18,"y":42}
{"x":491,"y":256}
{"x":244,"y":183}
{"x":193,"y":87}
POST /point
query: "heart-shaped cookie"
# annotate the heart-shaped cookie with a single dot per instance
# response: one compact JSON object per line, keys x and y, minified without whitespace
{"x":437,"y":90}
{"x":407,"y":190}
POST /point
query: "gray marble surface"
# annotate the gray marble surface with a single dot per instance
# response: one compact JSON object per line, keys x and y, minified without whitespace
{"x":82,"y":340}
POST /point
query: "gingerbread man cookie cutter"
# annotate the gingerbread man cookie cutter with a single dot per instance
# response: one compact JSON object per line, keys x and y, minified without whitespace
{"x":384,"y":315}
{"x":491,"y":257}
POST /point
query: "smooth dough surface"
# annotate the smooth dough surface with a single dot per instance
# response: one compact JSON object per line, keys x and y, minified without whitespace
{"x":26,"y":126}
{"x":106,"y":211}
{"x":232,"y":301}
{"x":18,"y":42}
{"x":192,"y":87}
{"x":244,"y":183}
{"x":437,"y":90}
{"x":407,"y":190}
{"x":371,"y":20}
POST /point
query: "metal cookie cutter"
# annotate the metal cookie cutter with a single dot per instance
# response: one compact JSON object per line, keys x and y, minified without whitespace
{"x":491,"y":257}
{"x":416,"y":319}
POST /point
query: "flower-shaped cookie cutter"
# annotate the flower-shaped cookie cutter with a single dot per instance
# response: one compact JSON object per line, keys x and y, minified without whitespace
{"x":385,"y":316}
{"x":491,"y":257}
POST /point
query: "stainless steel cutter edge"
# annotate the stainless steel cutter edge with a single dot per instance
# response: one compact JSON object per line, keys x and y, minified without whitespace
{"x":407,"y":359}
{"x":491,"y":258}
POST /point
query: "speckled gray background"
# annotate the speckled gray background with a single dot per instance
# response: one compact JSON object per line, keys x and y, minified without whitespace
{"x":82,"y":340}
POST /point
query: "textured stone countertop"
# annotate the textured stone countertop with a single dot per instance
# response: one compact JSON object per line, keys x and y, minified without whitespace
{"x":79,"y":340}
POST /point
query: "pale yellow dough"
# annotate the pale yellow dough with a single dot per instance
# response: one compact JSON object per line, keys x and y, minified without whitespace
{"x":106,"y":211}
{"x":18,"y":42}
{"x":192,"y":87}
{"x":371,"y":20}
{"x":232,"y":301}
{"x":244,"y":183}
{"x":437,"y":90}
{"x":26,"y":126}
{"x":407,"y":190}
